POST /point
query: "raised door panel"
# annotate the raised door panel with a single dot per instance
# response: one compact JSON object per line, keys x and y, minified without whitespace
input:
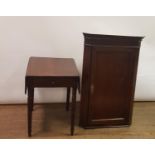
{"x":112,"y":85}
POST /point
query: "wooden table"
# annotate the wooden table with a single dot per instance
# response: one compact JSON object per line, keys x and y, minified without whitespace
{"x":51,"y":72}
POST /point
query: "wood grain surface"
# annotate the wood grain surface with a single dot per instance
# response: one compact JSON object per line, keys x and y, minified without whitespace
{"x":51,"y":122}
{"x":46,"y":66}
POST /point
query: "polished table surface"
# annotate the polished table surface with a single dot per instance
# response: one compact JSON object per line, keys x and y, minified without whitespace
{"x":51,"y":72}
{"x":45,"y":66}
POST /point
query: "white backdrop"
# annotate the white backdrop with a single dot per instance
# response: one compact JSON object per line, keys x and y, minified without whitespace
{"x":22,"y":37}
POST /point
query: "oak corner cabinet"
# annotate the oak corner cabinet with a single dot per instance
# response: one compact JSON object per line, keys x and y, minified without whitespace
{"x":108,"y":80}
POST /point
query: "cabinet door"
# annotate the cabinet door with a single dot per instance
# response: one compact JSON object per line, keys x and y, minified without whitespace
{"x":113,"y":74}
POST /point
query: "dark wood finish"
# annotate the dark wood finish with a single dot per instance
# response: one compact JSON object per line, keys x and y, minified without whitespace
{"x":67,"y":98}
{"x":51,"y":72}
{"x":73,"y":109}
{"x":108,"y":80}
{"x":30,"y":107}
{"x":51,"y":67}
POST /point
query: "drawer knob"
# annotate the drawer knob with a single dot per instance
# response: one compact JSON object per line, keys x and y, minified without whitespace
{"x":53,"y":82}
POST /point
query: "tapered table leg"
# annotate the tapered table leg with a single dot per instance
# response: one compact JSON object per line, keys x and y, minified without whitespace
{"x":30,"y":106}
{"x":73,"y":110}
{"x":68,"y":98}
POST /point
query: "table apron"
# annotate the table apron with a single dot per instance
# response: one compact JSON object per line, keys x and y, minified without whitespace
{"x":52,"y":82}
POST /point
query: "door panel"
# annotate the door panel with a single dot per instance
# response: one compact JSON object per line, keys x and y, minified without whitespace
{"x":112,"y":70}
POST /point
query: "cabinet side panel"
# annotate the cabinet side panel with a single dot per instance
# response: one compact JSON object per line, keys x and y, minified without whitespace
{"x":131,"y":90}
{"x":84,"y":105}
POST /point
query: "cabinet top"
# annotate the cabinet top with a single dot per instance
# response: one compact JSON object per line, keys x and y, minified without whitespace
{"x":100,"y":39}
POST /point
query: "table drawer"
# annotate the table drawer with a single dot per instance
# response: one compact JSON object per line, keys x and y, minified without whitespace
{"x":53,"y":82}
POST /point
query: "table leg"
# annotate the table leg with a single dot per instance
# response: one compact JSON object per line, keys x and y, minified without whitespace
{"x":73,"y":110}
{"x":67,"y":99}
{"x":32,"y":103}
{"x":30,"y":106}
